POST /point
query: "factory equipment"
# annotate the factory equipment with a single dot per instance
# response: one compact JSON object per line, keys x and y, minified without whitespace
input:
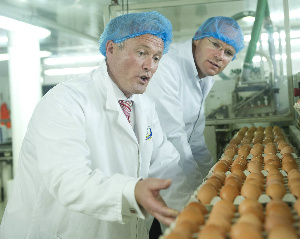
{"x":257,"y":85}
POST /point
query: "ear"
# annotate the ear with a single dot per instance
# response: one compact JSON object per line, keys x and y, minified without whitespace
{"x":109,"y":48}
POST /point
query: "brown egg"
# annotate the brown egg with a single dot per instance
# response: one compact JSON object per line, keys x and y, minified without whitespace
{"x":211,"y":231}
{"x":220,"y":175}
{"x":221,"y":166}
{"x":198,"y":206}
{"x":275,"y":221}
{"x":287,"y":155}
{"x":229,"y":192}
{"x":270,"y":150}
{"x":282,"y":144}
{"x":294,"y":173}
{"x":256,"y":151}
{"x":251,"y":219}
{"x":274,"y":171}
{"x":245,"y":230}
{"x":255,"y":182}
{"x":251,"y":204}
{"x":257,"y":140}
{"x":214,"y":181}
{"x":250,"y":191}
{"x":206,"y":193}
{"x":232,"y":146}
{"x":245,"y":141}
{"x":274,"y":162}
{"x":240,"y":173}
{"x":233,"y":175}
{"x":225,"y":204}
{"x":230,"y":153}
{"x":220,"y":221}
{"x":287,"y":149}
{"x":234,"y":182}
{"x":270,"y":166}
{"x":237,"y":166}
{"x":271,"y":156}
{"x":281,"y":232}
{"x":258,"y":159}
{"x":277,"y":163}
{"x":243,"y":151}
{"x":176,"y":235}
{"x":189,"y":214}
{"x":293,"y":181}
{"x":188,"y":228}
{"x":254,"y":166}
{"x":227,"y":159}
{"x":258,"y":213}
{"x":289,"y":166}
{"x":257,"y":175}
{"x":275,"y":176}
{"x":267,"y":140}
{"x":235,"y":141}
{"x":224,"y":212}
{"x":287,"y":160}
{"x":276,"y":190}
{"x":279,"y":208}
{"x":252,"y":129}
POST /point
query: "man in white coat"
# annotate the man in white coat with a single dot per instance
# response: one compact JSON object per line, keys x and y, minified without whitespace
{"x":86,"y":169}
{"x":183,"y":81}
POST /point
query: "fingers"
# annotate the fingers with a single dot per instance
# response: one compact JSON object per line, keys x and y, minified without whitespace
{"x":147,"y":195}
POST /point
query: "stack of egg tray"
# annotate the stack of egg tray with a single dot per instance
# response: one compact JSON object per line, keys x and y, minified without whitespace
{"x":263,"y":199}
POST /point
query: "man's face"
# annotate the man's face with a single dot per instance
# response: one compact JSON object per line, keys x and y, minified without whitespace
{"x":132,"y":67}
{"x":208,"y":57}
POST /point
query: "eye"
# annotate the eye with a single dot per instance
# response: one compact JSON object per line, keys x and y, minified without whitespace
{"x":141,"y":53}
{"x":229,"y":53}
{"x":156,"y":58}
{"x":217,"y":45}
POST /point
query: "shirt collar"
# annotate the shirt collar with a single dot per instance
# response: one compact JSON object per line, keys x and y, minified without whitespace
{"x":119,"y":94}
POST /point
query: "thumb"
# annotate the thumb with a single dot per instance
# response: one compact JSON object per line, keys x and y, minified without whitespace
{"x":163,"y":183}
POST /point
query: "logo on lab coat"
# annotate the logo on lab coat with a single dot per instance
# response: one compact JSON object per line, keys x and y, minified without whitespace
{"x":149,"y":133}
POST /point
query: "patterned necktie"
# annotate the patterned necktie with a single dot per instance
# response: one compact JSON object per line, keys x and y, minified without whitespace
{"x":126,"y":107}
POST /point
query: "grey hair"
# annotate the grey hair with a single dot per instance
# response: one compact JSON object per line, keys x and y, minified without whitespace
{"x":121,"y":45}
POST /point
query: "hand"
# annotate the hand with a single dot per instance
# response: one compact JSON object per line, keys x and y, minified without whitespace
{"x":147,"y":195}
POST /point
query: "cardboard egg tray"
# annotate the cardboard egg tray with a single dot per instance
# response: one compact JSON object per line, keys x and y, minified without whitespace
{"x":263,"y":199}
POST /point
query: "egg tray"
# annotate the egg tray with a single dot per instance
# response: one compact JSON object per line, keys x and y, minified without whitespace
{"x":263,"y":199}
{"x":236,"y":217}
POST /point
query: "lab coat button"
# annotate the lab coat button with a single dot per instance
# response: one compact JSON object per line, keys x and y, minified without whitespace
{"x":132,"y":210}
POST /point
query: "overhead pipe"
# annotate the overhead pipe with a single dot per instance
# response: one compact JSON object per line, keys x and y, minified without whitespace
{"x":256,"y":29}
{"x":269,"y":27}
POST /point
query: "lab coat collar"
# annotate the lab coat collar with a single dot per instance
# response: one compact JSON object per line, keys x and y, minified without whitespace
{"x":207,"y":82}
{"x":111,"y":99}
{"x":187,"y":53}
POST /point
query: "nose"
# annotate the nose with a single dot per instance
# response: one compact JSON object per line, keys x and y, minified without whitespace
{"x":220,"y":54}
{"x":148,"y":63}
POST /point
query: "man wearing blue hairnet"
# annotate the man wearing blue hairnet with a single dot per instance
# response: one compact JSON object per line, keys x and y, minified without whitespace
{"x":94,"y":157}
{"x":183,"y":81}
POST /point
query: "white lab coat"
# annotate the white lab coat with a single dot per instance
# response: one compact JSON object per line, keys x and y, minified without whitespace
{"x":179,"y":100}
{"x":79,"y":164}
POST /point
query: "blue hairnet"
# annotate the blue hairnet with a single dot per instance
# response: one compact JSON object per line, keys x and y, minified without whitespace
{"x":136,"y":24}
{"x":225,"y":29}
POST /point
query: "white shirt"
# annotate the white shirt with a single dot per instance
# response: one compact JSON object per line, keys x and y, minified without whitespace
{"x":179,"y":96}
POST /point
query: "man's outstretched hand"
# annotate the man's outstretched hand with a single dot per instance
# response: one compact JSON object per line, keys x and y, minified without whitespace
{"x":147,"y":195}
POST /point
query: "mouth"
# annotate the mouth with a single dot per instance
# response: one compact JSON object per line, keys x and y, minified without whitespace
{"x":145,"y":78}
{"x":214,"y":64}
